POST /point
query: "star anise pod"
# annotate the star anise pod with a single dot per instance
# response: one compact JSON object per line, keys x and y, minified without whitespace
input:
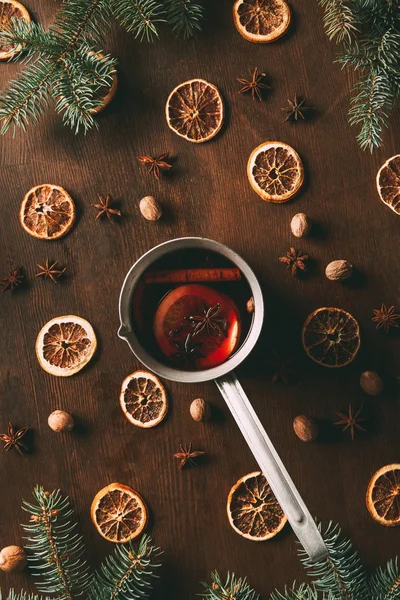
{"x":386,"y":317}
{"x":295,"y":261}
{"x":187,"y":352}
{"x":296,"y":109}
{"x":50,"y":272}
{"x":187,"y":456}
{"x":13,"y":438}
{"x":155,"y":165}
{"x":105,"y":209}
{"x":281,"y":369}
{"x":14,"y":279}
{"x":351,"y":421}
{"x":210,"y":321}
{"x":253,"y":85}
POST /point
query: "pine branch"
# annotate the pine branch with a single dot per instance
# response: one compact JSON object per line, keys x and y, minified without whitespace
{"x":184,"y":16}
{"x":341,"y":574}
{"x":127,"y":574}
{"x":140,"y":17}
{"x":78,"y":21}
{"x":54,"y":548}
{"x":300,"y":592}
{"x":21,"y":596}
{"x":340,"y":19}
{"x":385,"y":583}
{"x":31,"y":36}
{"x":234,"y":588}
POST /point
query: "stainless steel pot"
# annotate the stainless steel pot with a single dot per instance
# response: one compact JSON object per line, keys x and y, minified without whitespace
{"x":249,"y":424}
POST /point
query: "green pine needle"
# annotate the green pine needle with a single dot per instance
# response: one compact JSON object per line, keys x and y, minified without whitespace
{"x":340,"y":21}
{"x":55,"y":550}
{"x":184,"y":16}
{"x":303,"y":591}
{"x":385,"y":584}
{"x":140,"y":17}
{"x":128,"y":574}
{"x":234,"y":588}
{"x":21,"y":596}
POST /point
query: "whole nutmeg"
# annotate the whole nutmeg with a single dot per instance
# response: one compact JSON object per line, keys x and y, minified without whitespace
{"x":250,"y":305}
{"x":306,"y":428}
{"x":371,"y":383}
{"x":200,"y":410}
{"x":339,"y":270}
{"x":300,"y":225}
{"x":60,"y":421}
{"x":12,"y":558}
{"x":150,"y":208}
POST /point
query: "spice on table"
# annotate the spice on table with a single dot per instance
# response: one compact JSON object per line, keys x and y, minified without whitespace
{"x":200,"y":410}
{"x":104,"y":208}
{"x":188,"y":456}
{"x":50,"y":271}
{"x":371,"y":383}
{"x":192,"y":275}
{"x":13,"y":280}
{"x":351,"y":420}
{"x":12,"y":558}
{"x":339,"y":270}
{"x":385,"y":317}
{"x":253,"y":85}
{"x":12,"y":439}
{"x":210,"y":321}
{"x":150,"y":208}
{"x":60,"y":421}
{"x":296,"y":109}
{"x":155,"y":165}
{"x":281,"y":368}
{"x":300,"y":225}
{"x":306,"y":428}
{"x":295,"y":261}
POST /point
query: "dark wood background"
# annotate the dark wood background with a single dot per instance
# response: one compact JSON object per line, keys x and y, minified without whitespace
{"x":206,"y":194}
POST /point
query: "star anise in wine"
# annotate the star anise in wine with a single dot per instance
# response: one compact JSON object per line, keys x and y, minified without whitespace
{"x":295,"y":261}
{"x":187,"y":456}
{"x":253,"y":85}
{"x":155,"y":165}
{"x":296,"y":109}
{"x":351,"y":421}
{"x":12,"y":439}
{"x":187,"y":352}
{"x":14,"y":279}
{"x":104,"y":208}
{"x":386,"y":317}
{"x":281,"y":369}
{"x":50,"y":271}
{"x":210,"y":321}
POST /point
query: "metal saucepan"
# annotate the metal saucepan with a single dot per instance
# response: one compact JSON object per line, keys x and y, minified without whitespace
{"x":249,"y":424}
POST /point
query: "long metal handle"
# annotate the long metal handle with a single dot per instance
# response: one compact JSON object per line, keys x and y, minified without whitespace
{"x":271,"y":465}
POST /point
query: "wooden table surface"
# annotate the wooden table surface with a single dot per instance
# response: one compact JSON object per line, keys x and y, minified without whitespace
{"x":206,"y":194}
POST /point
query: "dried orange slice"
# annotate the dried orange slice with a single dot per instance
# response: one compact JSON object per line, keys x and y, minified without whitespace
{"x":383,"y":495}
{"x":195,"y":110}
{"x":253,"y":511}
{"x":65,"y":345}
{"x":11,"y":9}
{"x":261,"y":21}
{"x":106,"y":96}
{"x":275,"y":171}
{"x":119,"y":513}
{"x":388,"y":183}
{"x":331,"y":337}
{"x":47,"y":212}
{"x":143,"y":399}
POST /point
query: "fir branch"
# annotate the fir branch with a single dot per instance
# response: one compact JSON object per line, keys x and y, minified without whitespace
{"x":340,"y":19}
{"x":32,"y":37}
{"x":127,"y":574}
{"x":21,"y":596}
{"x":184,"y":16}
{"x":304,"y":591}
{"x":81,"y":20}
{"x":140,"y":17}
{"x":54,"y":548}
{"x":341,"y":574}
{"x":385,"y":584}
{"x":234,"y":588}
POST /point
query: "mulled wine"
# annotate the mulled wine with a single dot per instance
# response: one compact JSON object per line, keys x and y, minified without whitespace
{"x":189,"y":309}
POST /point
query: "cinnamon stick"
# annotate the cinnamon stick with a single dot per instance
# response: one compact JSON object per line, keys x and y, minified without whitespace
{"x":193,"y":275}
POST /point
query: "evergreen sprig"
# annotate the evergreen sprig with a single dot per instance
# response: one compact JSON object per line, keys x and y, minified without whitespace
{"x":67,"y":66}
{"x":369,"y":34}
{"x":341,"y":576}
{"x":21,"y":596}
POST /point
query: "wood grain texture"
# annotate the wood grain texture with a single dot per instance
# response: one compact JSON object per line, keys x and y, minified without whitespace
{"x":206,"y":194}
